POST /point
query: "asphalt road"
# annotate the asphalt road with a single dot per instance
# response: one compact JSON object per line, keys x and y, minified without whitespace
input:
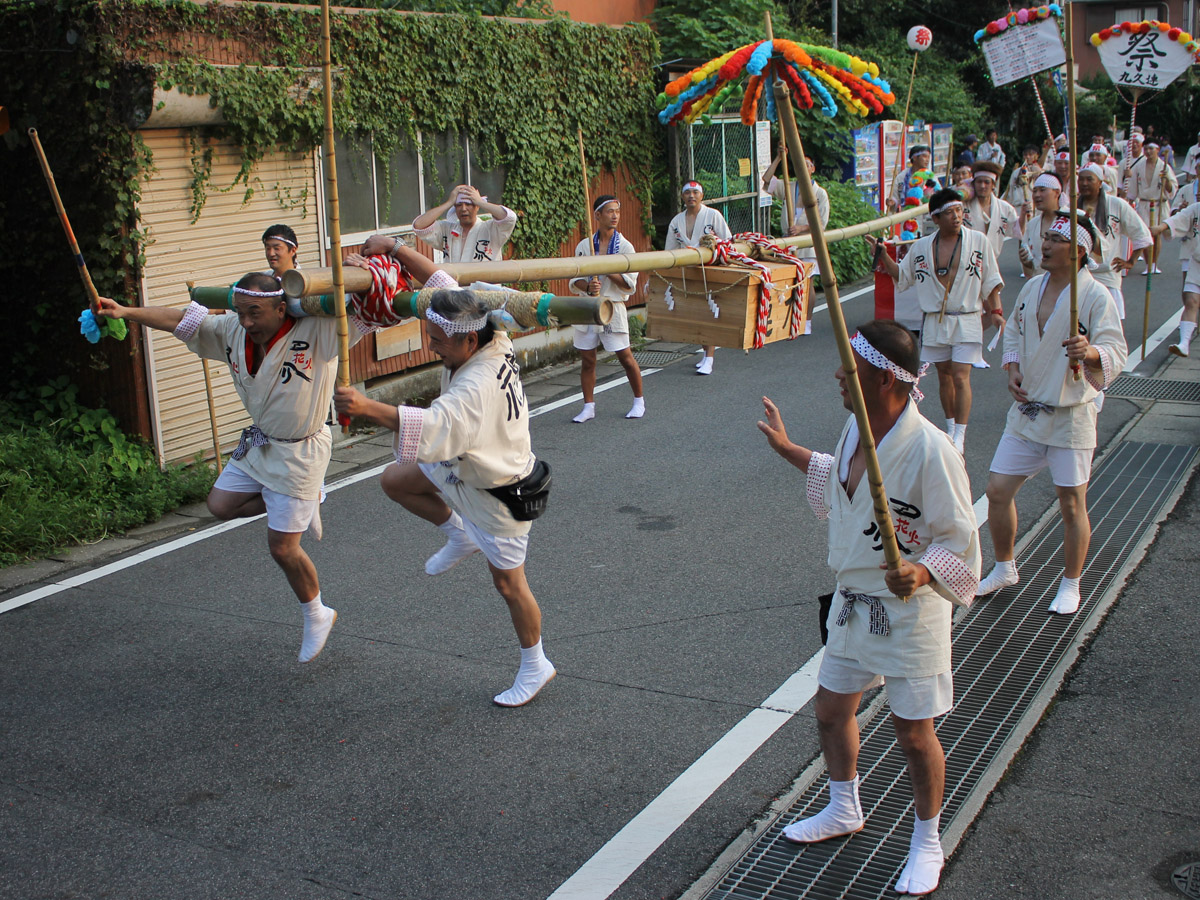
{"x":159,"y":739}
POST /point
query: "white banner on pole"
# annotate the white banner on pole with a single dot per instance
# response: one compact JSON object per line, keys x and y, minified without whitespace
{"x":1148,"y":62}
{"x":1024,"y":50}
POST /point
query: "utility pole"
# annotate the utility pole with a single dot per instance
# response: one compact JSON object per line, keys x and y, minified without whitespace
{"x":834,"y":24}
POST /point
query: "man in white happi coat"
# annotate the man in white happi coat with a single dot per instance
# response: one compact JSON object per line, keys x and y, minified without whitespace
{"x":1052,"y":422}
{"x":774,"y":187}
{"x":1020,"y":182}
{"x":1190,"y":159}
{"x":873,"y":635}
{"x":453,"y":457}
{"x":688,"y":229}
{"x":1131,"y":156}
{"x":614,"y":336}
{"x":989,"y":213}
{"x":990,"y":150}
{"x":1048,"y":199}
{"x":1154,"y":184}
{"x":283,"y":369}
{"x":1116,"y":223}
{"x":958,"y":287}
{"x":468,"y":238}
{"x":1185,"y":224}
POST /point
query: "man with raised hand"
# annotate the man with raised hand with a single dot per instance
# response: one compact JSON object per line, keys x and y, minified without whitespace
{"x":468,"y":238}
{"x":874,"y":636}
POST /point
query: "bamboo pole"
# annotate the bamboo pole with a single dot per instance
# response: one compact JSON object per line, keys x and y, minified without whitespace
{"x":883,"y":517}
{"x":789,"y":204}
{"x":212,"y":408}
{"x":89,"y":288}
{"x":587,"y":197}
{"x":1072,"y":146}
{"x":313,"y":282}
{"x":335,"y":227}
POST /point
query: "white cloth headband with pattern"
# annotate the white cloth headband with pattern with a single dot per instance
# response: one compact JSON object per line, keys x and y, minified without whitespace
{"x":949,"y":204}
{"x":250,"y":293}
{"x":462,"y":326}
{"x":1046,"y":180}
{"x":280,"y":237}
{"x":1062,"y":226}
{"x":864,"y":349}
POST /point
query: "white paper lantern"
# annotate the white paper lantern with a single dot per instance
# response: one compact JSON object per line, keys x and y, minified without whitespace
{"x":919,"y":38}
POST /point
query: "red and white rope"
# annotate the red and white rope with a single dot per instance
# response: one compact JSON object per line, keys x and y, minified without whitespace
{"x":724,"y":253}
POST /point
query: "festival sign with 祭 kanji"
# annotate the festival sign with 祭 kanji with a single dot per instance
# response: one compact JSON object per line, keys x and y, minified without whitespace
{"x":1022,"y":43}
{"x":1145,"y":56}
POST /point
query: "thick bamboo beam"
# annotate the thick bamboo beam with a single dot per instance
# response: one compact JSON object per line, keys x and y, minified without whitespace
{"x":309,"y":282}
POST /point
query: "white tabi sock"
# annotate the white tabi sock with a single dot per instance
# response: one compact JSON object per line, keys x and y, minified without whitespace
{"x":535,"y":673}
{"x":1066,"y":601}
{"x":959,"y":437}
{"x":458,"y":547}
{"x":639,"y":407}
{"x":1187,"y":331}
{"x":705,"y":367}
{"x":950,"y":427}
{"x":318,"y":622}
{"x":1003,"y":574}
{"x":925,"y":859}
{"x":842,"y":816}
{"x":587,"y":414}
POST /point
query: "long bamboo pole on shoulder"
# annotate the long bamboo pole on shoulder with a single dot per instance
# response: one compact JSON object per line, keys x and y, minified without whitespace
{"x":883,"y":517}
{"x":1073,"y":145}
{"x":335,"y":226}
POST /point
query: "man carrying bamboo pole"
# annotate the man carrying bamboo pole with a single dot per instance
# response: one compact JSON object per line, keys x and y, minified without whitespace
{"x":687,"y":230}
{"x":465,"y":463}
{"x":958,"y":287}
{"x":615,"y":335}
{"x":1116,"y":222}
{"x":1154,"y":184}
{"x":873,"y":635}
{"x":284,"y":371}
{"x":1052,"y":422}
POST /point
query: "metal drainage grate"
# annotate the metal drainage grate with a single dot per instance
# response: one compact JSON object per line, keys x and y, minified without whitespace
{"x":1004,"y":651}
{"x":1187,"y":879}
{"x":1135,"y":388}
{"x":652,"y":359}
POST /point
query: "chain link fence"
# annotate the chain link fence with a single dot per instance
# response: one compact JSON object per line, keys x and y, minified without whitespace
{"x":722,"y":156}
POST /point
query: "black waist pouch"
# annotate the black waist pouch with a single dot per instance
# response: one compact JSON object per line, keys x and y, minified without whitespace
{"x":527,"y":498}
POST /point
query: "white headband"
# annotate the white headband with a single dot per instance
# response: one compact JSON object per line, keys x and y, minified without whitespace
{"x":463,"y":198}
{"x":1098,"y":148}
{"x":1150,"y":144}
{"x":280,"y":237}
{"x":949,"y":204}
{"x":1062,"y":225}
{"x":462,"y":326}
{"x":984,"y":174}
{"x":1046,"y":180}
{"x":693,"y":186}
{"x":864,"y":349}
{"x":250,"y":293}
{"x":600,"y":206}
{"x":1092,"y":169}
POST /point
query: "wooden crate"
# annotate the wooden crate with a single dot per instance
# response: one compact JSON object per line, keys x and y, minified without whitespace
{"x":734,"y":290}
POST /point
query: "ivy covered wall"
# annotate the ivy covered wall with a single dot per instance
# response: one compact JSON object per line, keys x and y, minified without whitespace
{"x":83,"y":73}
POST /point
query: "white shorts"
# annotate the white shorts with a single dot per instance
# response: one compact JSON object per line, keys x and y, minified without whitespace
{"x":501,"y":552}
{"x":1018,"y":456}
{"x":924,"y":697}
{"x":1183,"y":265}
{"x":1190,"y":287}
{"x":286,"y":514}
{"x":589,"y":337}
{"x":959,"y":353}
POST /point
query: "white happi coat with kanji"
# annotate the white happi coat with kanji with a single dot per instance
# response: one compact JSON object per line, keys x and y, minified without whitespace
{"x":1045,"y":370}
{"x":287,"y":398}
{"x":999,"y":224}
{"x":976,"y":275}
{"x":482,"y":242}
{"x":478,"y":430}
{"x":931,"y":506}
{"x":708,"y":222}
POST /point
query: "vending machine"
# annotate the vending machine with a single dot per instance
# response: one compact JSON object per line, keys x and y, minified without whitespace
{"x":895,"y":156}
{"x":943,"y":150}
{"x":864,"y":167}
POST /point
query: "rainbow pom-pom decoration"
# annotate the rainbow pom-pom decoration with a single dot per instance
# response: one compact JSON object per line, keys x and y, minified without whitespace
{"x":819,"y":77}
{"x":1019,"y":17}
{"x":1181,"y":37}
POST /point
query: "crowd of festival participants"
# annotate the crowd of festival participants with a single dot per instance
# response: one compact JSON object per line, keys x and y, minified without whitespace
{"x":466,"y":466}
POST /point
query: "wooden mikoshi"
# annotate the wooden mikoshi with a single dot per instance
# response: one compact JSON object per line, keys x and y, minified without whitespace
{"x":718,"y":305}
{"x":529,"y":310}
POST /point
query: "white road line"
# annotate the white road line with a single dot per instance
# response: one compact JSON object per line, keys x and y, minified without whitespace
{"x":842,"y":298}
{"x":632,"y":845}
{"x":1164,"y":331}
